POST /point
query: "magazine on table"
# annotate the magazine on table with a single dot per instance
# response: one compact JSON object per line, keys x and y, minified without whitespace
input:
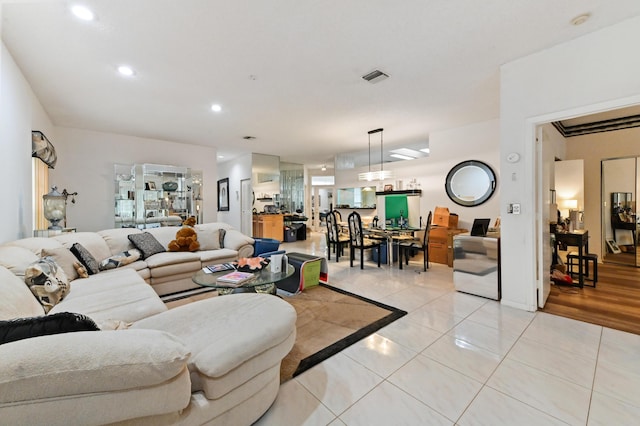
{"x":236,"y":278}
{"x":219,"y":267}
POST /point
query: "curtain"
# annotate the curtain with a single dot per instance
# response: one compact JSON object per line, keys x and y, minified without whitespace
{"x":43,"y":149}
{"x":40,"y":182}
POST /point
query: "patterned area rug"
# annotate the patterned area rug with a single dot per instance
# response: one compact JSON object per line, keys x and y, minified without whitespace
{"x":329,"y":320}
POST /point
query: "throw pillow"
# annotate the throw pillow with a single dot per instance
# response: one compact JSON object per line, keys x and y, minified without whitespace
{"x":120,"y":259}
{"x":209,"y":239}
{"x":62,"y":322}
{"x":146,"y":243}
{"x":65,"y":259}
{"x":222,"y":233}
{"x":86,"y":258}
{"x":47,"y":281}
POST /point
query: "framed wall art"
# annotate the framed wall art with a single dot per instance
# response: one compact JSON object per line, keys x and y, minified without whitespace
{"x":223,"y":195}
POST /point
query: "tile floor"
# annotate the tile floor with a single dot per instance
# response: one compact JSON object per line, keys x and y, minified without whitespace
{"x":463,"y":360}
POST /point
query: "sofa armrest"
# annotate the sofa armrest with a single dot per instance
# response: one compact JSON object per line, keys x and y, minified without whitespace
{"x":234,"y":239}
{"x":88,"y":362}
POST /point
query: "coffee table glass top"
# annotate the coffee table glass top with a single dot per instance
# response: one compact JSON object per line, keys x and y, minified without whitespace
{"x":262,"y":277}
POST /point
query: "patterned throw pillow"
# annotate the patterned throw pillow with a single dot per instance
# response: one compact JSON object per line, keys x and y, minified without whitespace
{"x":146,"y":243}
{"x":120,"y":259}
{"x":47,"y":281}
{"x":62,"y":322}
{"x":86,"y":258}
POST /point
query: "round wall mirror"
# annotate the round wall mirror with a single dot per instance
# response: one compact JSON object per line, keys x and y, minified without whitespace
{"x":470,"y":183}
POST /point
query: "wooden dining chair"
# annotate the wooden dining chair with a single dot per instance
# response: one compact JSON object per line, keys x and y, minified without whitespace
{"x":335,"y":239}
{"x":406,"y":247}
{"x":357,"y":240}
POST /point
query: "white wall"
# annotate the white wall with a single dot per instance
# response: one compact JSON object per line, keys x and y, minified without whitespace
{"x":569,"y":184}
{"x":20,"y":113}
{"x":593,"y":73}
{"x":479,"y":141}
{"x":236,"y":170}
{"x":86,"y":164}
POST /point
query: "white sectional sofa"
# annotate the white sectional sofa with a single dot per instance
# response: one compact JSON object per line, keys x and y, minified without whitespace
{"x":167,"y":272}
{"x":215,"y":361}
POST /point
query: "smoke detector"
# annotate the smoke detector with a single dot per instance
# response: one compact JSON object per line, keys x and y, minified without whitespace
{"x":375,"y":76}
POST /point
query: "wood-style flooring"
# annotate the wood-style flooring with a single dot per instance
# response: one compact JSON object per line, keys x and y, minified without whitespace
{"x":613,"y":303}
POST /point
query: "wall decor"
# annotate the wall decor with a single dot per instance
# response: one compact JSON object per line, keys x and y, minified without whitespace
{"x":470,"y":183}
{"x":223,"y":195}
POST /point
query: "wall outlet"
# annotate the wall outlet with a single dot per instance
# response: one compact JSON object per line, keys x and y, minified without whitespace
{"x":515,"y":208}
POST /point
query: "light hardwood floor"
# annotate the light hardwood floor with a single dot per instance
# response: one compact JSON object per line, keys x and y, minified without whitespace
{"x":613,"y":303}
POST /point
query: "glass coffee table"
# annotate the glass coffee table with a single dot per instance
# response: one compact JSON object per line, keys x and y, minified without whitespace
{"x":264,"y":281}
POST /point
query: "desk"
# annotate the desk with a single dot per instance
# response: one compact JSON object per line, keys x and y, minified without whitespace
{"x":578,"y":239}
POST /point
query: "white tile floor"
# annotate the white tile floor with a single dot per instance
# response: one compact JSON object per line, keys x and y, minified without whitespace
{"x":460,"y":359}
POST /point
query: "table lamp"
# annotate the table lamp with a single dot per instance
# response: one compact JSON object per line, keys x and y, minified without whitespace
{"x":54,"y":208}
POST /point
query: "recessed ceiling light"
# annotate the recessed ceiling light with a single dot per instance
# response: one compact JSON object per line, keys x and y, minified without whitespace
{"x":83,"y":13}
{"x":126,"y":70}
{"x":220,"y":156}
{"x":580,"y":19}
{"x":216,"y":108}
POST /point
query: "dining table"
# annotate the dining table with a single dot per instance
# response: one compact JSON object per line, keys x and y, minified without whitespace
{"x":392,"y":235}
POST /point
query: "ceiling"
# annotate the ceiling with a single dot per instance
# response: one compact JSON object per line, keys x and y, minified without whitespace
{"x":287,"y":72}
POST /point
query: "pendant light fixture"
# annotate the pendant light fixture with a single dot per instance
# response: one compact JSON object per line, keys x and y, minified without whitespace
{"x":380,"y":174}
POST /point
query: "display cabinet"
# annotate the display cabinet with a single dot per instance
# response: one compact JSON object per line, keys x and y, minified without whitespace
{"x":151,"y":195}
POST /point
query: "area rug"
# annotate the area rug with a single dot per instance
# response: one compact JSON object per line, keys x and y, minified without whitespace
{"x":329,"y":320}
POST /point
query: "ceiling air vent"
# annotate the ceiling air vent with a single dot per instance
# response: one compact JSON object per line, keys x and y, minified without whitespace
{"x":375,"y":76}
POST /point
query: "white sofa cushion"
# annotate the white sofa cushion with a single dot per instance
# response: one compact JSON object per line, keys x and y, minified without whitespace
{"x":36,"y":244}
{"x":232,"y":349}
{"x":165,"y":234}
{"x":92,"y":241}
{"x":115,"y":295}
{"x":117,"y":239}
{"x":88,"y":362}
{"x":17,"y":301}
{"x":16,"y":259}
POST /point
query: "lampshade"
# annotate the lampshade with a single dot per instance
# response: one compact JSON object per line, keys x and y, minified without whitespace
{"x":570,"y":204}
{"x":54,"y":207}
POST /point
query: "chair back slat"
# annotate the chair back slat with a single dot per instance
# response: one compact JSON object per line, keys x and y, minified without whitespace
{"x":355,"y":229}
{"x":332,"y":227}
{"x":427,"y":228}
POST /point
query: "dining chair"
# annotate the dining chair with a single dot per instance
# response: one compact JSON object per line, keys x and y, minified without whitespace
{"x":335,"y":239}
{"x":406,"y":247}
{"x":357,"y":240}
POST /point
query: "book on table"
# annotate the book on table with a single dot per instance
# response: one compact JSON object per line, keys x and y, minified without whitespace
{"x":220,"y":267}
{"x":236,"y":278}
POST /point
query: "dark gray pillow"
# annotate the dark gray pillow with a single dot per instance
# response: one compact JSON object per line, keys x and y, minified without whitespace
{"x":62,"y":322}
{"x":146,"y":243}
{"x":221,"y":235}
{"x":86,"y":258}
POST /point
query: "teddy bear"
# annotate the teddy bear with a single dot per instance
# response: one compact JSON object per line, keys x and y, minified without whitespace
{"x":186,"y":237}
